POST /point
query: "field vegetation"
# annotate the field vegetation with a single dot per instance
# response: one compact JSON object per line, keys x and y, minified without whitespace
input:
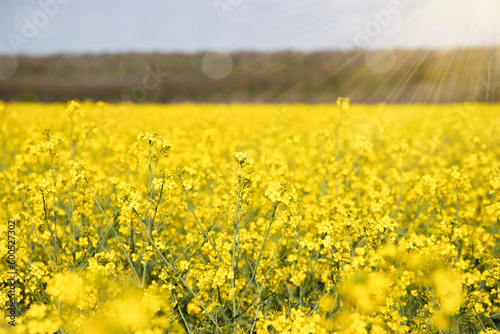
{"x":251,"y":218}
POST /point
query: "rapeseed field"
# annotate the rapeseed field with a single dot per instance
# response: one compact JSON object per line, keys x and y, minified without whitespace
{"x":250,"y":218}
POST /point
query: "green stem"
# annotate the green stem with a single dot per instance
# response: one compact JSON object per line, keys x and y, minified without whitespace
{"x":36,"y":234}
{"x":254,"y":322}
{"x":260,"y":255}
{"x":235,"y":249}
{"x":54,"y":207}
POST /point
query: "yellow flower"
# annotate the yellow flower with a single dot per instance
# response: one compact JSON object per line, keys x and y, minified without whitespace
{"x":68,"y":287}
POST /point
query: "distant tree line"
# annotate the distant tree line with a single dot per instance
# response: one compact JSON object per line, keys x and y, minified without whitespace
{"x":384,"y":76}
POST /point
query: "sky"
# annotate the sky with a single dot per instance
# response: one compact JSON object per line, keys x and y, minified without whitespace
{"x":42,"y":27}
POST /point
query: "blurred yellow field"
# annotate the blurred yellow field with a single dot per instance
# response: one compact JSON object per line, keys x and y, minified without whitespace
{"x":250,"y":219}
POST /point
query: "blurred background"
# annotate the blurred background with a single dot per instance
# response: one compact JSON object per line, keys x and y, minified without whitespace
{"x":250,"y":51}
